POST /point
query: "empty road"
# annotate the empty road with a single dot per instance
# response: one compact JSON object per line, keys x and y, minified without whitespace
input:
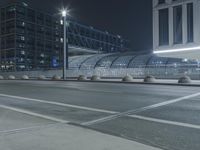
{"x":162,"y":116}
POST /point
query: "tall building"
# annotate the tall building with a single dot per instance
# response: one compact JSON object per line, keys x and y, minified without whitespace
{"x":33,"y":40}
{"x":176,"y":28}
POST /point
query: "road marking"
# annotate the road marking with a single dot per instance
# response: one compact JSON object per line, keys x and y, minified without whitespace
{"x":59,"y":104}
{"x":135,"y":111}
{"x":104,"y":111}
{"x":166,"y":122}
{"x":20,"y":130}
{"x":34,"y":114}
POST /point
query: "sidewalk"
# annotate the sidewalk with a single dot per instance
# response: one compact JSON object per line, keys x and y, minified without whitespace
{"x":157,"y":81}
{"x":66,"y":137}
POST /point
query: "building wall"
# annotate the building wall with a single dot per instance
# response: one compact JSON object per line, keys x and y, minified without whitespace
{"x":170,"y":5}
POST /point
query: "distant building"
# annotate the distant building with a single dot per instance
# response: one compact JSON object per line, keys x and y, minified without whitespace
{"x":33,"y":40}
{"x":176,"y":28}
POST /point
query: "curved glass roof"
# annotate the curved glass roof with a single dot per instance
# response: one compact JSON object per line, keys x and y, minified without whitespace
{"x":127,"y":61}
{"x":106,"y":62}
{"x":91,"y":62}
{"x":122,"y":62}
{"x":140,"y":61}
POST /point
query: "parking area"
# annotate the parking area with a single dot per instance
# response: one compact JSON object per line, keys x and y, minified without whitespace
{"x":161,"y":116}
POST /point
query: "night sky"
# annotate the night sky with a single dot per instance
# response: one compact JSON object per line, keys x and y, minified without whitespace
{"x":132,"y":19}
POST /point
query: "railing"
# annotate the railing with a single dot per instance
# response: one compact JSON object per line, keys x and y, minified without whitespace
{"x":173,"y":71}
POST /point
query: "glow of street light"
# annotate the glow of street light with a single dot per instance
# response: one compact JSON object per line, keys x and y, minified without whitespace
{"x":65,"y":12}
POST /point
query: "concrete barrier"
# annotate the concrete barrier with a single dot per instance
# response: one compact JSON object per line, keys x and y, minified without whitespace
{"x":1,"y":77}
{"x":11,"y":77}
{"x":41,"y":77}
{"x":25,"y":77}
{"x":56,"y":77}
{"x":185,"y":80}
{"x":95,"y":78}
{"x":82,"y":78}
{"x":127,"y":78}
{"x":149,"y":79}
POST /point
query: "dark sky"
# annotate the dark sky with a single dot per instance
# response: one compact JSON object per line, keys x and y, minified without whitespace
{"x":130,"y":18}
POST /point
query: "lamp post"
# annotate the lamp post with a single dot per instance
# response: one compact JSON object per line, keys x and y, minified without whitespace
{"x":65,"y":40}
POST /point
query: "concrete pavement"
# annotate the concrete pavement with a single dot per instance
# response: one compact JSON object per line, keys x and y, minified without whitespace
{"x":161,"y":116}
{"x":19,"y":131}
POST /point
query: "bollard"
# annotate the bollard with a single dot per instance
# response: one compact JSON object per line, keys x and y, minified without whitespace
{"x":95,"y":78}
{"x":1,"y":77}
{"x":184,"y":80}
{"x":56,"y":77}
{"x":127,"y":78}
{"x":41,"y":77}
{"x":11,"y":77}
{"x":149,"y":79}
{"x":82,"y":78}
{"x":25,"y":77}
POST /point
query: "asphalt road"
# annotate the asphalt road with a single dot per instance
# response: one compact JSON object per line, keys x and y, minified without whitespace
{"x":163,"y":116}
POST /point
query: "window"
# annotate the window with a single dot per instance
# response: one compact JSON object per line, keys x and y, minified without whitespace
{"x":190,"y":24}
{"x":163,"y":27}
{"x":40,"y":18}
{"x":177,"y":26}
{"x":10,"y":12}
{"x":31,"y":15}
{"x":21,"y":12}
{"x":10,"y":27}
{"x":161,"y":1}
{"x":3,"y":14}
{"x":10,"y":42}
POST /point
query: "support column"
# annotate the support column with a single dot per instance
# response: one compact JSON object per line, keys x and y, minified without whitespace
{"x":196,"y":12}
{"x":171,"y":25}
{"x":155,"y":29}
{"x":184,"y":25}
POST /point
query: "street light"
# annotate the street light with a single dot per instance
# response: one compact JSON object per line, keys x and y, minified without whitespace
{"x":65,"y":13}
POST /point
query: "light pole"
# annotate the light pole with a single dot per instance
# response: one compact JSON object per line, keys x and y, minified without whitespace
{"x":65,"y":40}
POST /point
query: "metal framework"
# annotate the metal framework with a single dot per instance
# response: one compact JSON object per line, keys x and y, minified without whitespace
{"x":33,"y":40}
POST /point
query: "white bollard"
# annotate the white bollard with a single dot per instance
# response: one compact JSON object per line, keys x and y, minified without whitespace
{"x":95,"y":78}
{"x":41,"y":77}
{"x":185,"y":80}
{"x":56,"y":77}
{"x":1,"y":77}
{"x":11,"y":77}
{"x":25,"y":77}
{"x":82,"y":78}
{"x":149,"y":79}
{"x":127,"y":78}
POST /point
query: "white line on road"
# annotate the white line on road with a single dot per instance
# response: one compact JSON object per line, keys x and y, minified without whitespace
{"x":34,"y":114}
{"x":58,"y":104}
{"x":104,"y":111}
{"x":135,"y":111}
{"x":166,"y":122}
{"x":28,"y":129}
